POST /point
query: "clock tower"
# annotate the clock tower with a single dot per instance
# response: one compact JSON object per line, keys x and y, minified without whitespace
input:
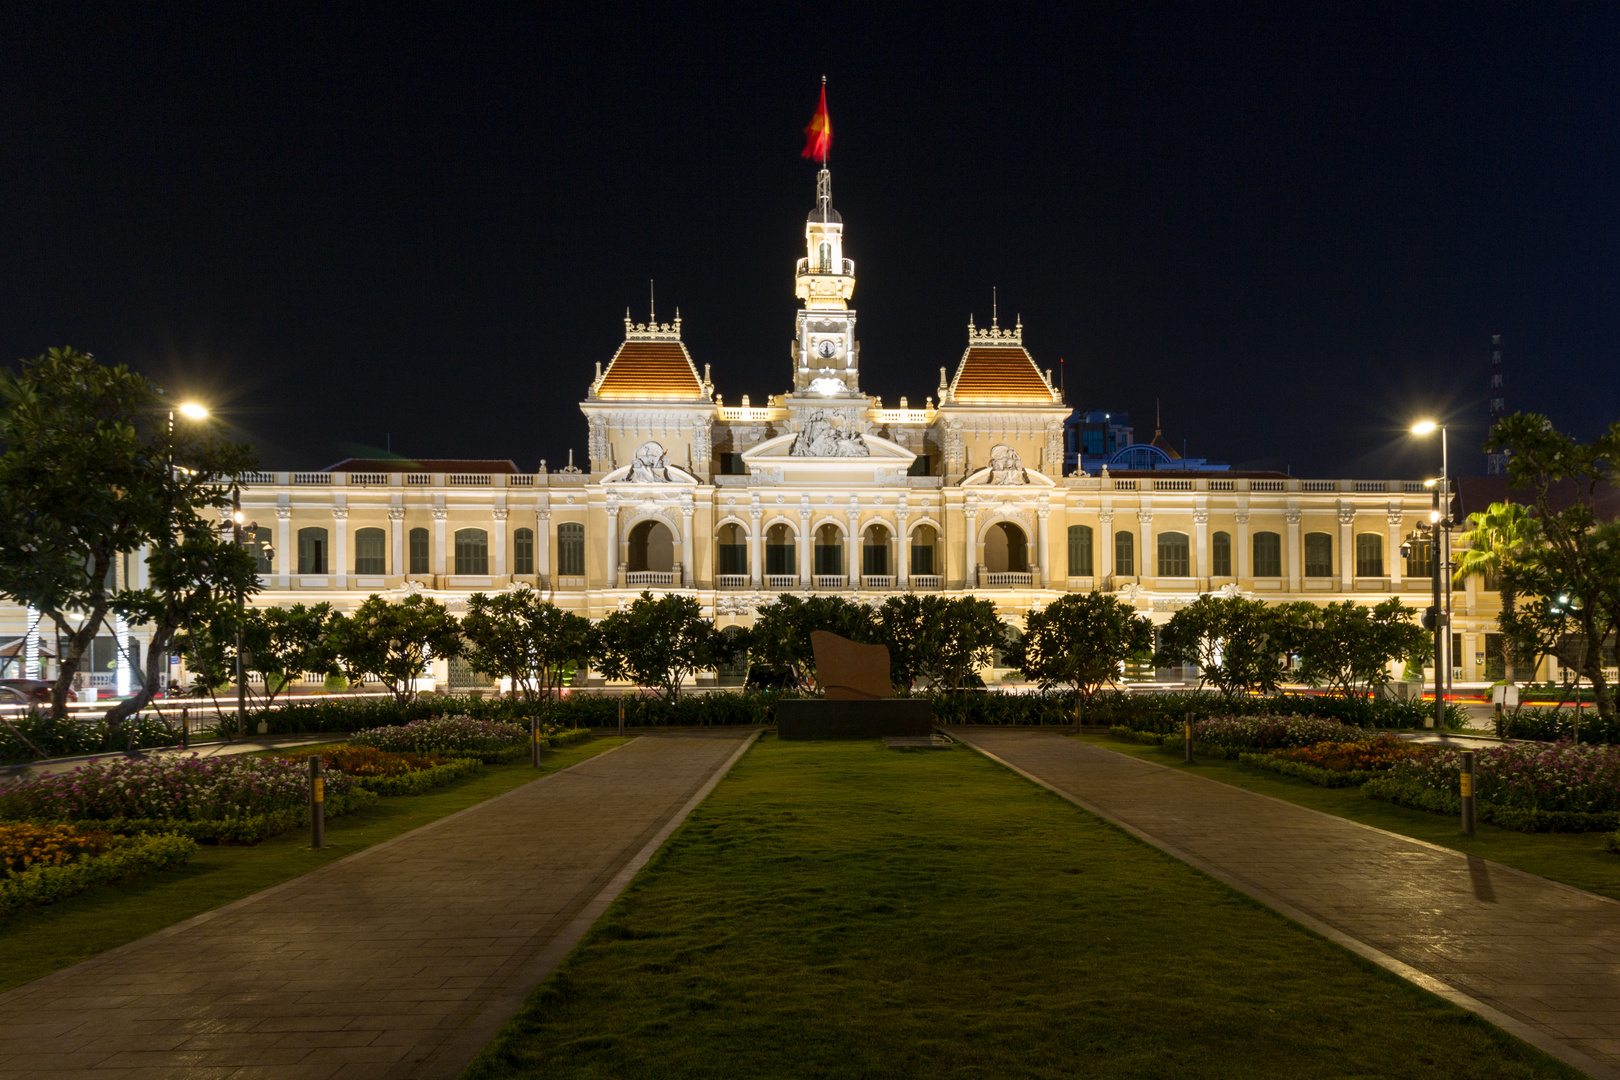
{"x":825,"y":353}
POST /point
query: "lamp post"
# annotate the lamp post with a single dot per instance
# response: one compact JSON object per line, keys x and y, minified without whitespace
{"x":237,"y":530}
{"x":191,"y":410}
{"x":1440,"y":523}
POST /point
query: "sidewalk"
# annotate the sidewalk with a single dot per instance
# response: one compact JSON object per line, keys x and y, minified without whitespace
{"x":1537,"y":958}
{"x":399,"y":961}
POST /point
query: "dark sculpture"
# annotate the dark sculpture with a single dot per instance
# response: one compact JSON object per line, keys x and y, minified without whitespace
{"x":849,"y":671}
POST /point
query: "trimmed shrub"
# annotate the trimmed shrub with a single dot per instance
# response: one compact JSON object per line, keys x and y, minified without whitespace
{"x":419,"y":780}
{"x":51,"y":881}
{"x":81,"y":735}
{"x":447,"y":735}
{"x":1145,"y":738}
{"x":1270,"y":732}
{"x":246,"y":829}
{"x":1315,"y":774}
{"x":1558,"y":725}
{"x":1166,"y":712}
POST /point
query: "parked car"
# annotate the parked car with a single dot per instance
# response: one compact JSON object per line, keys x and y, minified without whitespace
{"x":33,"y":690}
{"x":12,"y":698}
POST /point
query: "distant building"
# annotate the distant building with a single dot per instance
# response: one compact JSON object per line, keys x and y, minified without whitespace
{"x":1096,"y":440}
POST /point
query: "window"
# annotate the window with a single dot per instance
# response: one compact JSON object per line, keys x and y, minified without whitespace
{"x":1079,"y":550}
{"x":875,"y":552}
{"x":370,"y":551}
{"x":312,"y":550}
{"x":919,"y":466}
{"x":258,"y":542}
{"x":1318,"y":555}
{"x":1369,"y":555}
{"x":1124,"y":554}
{"x":1220,"y":554}
{"x":523,"y":551}
{"x":779,"y":550}
{"x":1174,"y":555}
{"x":472,"y":551}
{"x":922,"y":550}
{"x":1420,"y":558}
{"x":1267,"y":554}
{"x":731,"y":552}
{"x":829,"y":550}
{"x":571,"y":549}
{"x":826,"y":255}
{"x":420,"y":552}
{"x":732,"y":465}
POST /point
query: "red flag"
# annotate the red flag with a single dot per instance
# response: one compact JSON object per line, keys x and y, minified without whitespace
{"x":818,"y":136}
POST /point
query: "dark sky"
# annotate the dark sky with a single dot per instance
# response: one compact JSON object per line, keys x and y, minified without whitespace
{"x":1296,"y":225}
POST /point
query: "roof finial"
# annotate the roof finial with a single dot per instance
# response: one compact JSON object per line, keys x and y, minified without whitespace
{"x":652,"y":312}
{"x":993,"y":322}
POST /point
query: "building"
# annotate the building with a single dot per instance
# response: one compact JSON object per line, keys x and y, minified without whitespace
{"x":825,"y":489}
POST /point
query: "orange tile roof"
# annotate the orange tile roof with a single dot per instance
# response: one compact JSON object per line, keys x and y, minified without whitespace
{"x":996,"y":375}
{"x":659,"y":370}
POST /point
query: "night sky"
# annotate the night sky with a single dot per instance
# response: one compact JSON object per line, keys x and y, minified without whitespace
{"x":1297,"y":226}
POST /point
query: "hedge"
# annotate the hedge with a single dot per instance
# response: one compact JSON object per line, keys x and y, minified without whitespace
{"x":48,"y":884}
{"x":1166,"y":712}
{"x":1419,"y":797}
{"x":1558,"y":725}
{"x":1319,"y":776}
{"x":82,"y":735}
{"x":1145,"y":738}
{"x":419,"y":780}
{"x":249,"y":829}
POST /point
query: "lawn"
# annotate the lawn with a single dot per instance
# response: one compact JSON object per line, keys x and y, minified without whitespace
{"x":1576,"y":859}
{"x":841,"y":910}
{"x":39,"y":941}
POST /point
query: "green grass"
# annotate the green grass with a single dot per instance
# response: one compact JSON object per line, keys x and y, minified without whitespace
{"x":39,"y":941}
{"x":1576,"y":859}
{"x":836,"y":909}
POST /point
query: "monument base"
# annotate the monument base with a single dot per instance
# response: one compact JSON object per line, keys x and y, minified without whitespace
{"x":817,"y":718}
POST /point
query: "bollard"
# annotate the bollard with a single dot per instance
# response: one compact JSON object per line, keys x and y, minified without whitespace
{"x":534,"y":732}
{"x":317,"y":804}
{"x":185,"y":729}
{"x":1188,"y":732}
{"x":1501,"y":721}
{"x":1079,"y":719}
{"x":621,"y":716}
{"x":1466,"y":786}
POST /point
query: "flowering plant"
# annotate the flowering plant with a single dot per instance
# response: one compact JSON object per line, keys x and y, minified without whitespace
{"x":23,"y":846}
{"x":1364,"y":755}
{"x":1526,"y":776}
{"x":188,"y":788}
{"x":1271,"y":732}
{"x":446,"y":734}
{"x":369,"y":761}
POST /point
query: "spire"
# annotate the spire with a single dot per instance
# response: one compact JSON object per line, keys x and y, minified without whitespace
{"x":652,"y":305}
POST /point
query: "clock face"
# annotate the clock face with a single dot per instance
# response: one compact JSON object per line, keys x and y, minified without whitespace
{"x":827,"y":349}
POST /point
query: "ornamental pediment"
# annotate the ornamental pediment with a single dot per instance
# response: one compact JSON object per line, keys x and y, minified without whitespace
{"x":828,"y":457}
{"x":1006,"y":469}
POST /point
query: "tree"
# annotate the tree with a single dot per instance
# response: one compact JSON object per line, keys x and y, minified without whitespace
{"x":1350,"y":646}
{"x":781,"y":632}
{"x":1575,"y":546}
{"x":659,"y":642}
{"x":393,"y":642}
{"x":1238,"y":644}
{"x":1081,"y":641}
{"x":95,"y":466}
{"x":905,"y":625}
{"x":960,"y":636}
{"x":278,"y":645}
{"x":1539,"y":626}
{"x":1503,"y":535}
{"x":518,"y":636}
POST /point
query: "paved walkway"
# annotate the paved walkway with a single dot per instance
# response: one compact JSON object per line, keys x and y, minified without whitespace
{"x":399,"y":961}
{"x":1537,"y":958}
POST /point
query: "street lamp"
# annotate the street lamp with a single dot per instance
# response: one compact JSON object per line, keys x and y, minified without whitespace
{"x":1440,"y":527}
{"x":192,"y":411}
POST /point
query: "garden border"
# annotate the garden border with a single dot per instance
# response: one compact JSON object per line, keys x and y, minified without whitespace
{"x":1513,"y":1026}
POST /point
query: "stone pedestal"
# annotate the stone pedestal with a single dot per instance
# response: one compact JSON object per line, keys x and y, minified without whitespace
{"x":812,"y":718}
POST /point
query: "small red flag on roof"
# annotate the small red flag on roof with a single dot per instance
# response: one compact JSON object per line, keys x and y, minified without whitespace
{"x":818,"y":136}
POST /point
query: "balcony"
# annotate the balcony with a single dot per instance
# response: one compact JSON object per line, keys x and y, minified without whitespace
{"x":844,"y":267}
{"x":831,"y":581}
{"x":731,"y":581}
{"x":927,"y":581}
{"x":1008,"y":580}
{"x":781,"y":581}
{"x":637,"y":579}
{"x":877,"y":581}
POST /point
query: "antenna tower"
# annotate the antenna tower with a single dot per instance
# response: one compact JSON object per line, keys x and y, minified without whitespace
{"x":1496,"y":464}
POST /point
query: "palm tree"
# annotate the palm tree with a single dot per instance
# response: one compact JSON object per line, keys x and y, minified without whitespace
{"x":1498,"y":538}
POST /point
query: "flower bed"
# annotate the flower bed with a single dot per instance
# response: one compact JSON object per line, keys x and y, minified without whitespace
{"x":1238,"y":733}
{"x":52,"y":862}
{"x":456,"y":736}
{"x":389,"y":773}
{"x":238,"y":799}
{"x":1530,"y":787}
{"x":1337,"y":764}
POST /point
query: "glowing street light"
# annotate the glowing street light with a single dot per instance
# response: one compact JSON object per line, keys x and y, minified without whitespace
{"x":1424,"y":427}
{"x":1440,"y":531}
{"x":193,"y":411}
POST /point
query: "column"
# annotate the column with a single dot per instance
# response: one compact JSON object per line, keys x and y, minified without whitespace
{"x":1243,"y":552}
{"x":902,"y":556}
{"x":689,"y":552}
{"x":285,"y":555}
{"x":1347,"y":548}
{"x":970,"y":548}
{"x":1393,"y":558}
{"x":1293,"y":549}
{"x":340,"y":546}
{"x":1041,"y":513}
{"x":756,"y":549}
{"x":1201,"y":542}
{"x":1105,"y":550}
{"x":439,"y":516}
{"x":1144,"y":567}
{"x":396,"y":528}
{"x":613,"y":545}
{"x":542,"y":545}
{"x":498,"y":539}
{"x":807,"y":548}
{"x":854,"y":553}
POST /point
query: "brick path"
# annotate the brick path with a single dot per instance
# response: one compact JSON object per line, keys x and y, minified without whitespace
{"x":399,"y":961}
{"x":1535,"y":957}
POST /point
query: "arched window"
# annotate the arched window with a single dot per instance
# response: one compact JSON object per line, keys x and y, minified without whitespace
{"x":1369,"y":555}
{"x":258,"y":541}
{"x":312,"y":550}
{"x":731,"y":550}
{"x":1006,"y":549}
{"x":652,"y":547}
{"x":472,"y":551}
{"x":826,"y":257}
{"x":1124,"y":554}
{"x":370,"y":551}
{"x":829,"y":550}
{"x":523,"y":551}
{"x":1174,"y":555}
{"x":779,"y":550}
{"x":1079,"y":550}
{"x":1220,"y":554}
{"x":421,"y":557}
{"x":922,"y":550}
{"x":875,"y":551}
{"x":1420,"y":559}
{"x":1267,"y":554}
{"x":1318,"y":555}
{"x":571,"y":549}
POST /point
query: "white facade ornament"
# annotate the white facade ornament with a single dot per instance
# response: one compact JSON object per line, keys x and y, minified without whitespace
{"x":395,"y":513}
{"x":1347,"y":515}
{"x":1006,"y":467}
{"x":648,"y":466}
{"x":820,"y":438}
{"x":500,"y":513}
{"x":440,"y":513}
